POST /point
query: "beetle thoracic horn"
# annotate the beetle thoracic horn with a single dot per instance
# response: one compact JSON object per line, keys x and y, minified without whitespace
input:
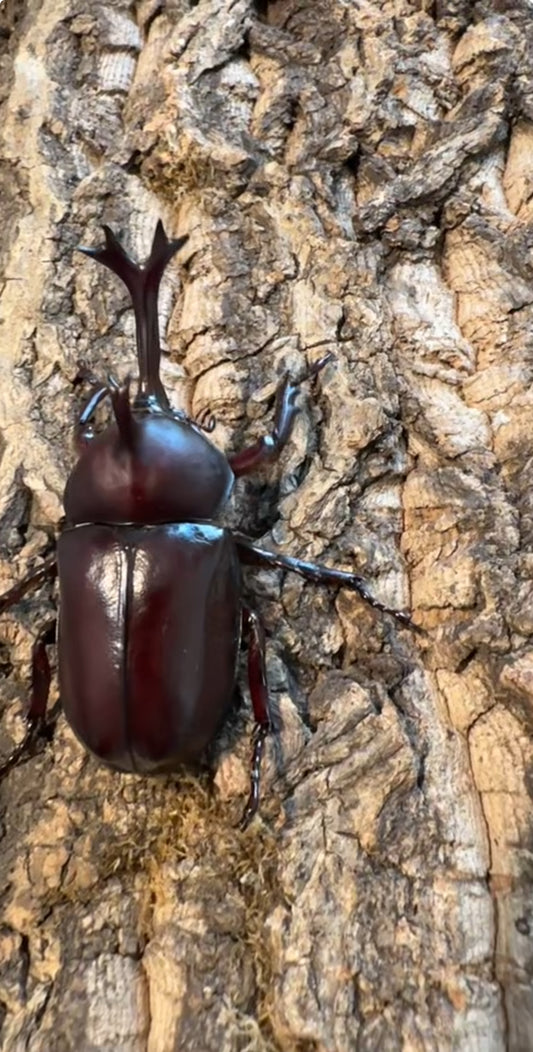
{"x":142,"y":283}
{"x":120,"y":398}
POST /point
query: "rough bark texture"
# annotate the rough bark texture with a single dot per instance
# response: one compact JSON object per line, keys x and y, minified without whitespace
{"x":354,"y":177}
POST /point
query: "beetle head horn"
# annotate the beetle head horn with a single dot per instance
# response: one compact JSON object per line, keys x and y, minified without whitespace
{"x":142,"y":283}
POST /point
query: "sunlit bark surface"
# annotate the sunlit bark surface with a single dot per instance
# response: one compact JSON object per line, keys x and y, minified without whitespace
{"x":354,"y":177}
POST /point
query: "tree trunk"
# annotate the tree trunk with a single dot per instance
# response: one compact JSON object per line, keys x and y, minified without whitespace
{"x":354,"y":177}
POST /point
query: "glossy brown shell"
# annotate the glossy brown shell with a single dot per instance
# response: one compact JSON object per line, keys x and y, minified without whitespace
{"x":168,"y":471}
{"x":150,"y":623}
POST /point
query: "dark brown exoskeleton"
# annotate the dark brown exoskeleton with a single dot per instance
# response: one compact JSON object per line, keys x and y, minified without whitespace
{"x":151,"y":608}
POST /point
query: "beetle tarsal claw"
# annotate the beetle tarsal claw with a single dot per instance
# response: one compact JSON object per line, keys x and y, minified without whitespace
{"x":317,"y":367}
{"x":206,"y":420}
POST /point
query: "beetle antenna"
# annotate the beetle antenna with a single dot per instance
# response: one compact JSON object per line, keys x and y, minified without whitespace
{"x":142,"y":283}
{"x":120,"y":398}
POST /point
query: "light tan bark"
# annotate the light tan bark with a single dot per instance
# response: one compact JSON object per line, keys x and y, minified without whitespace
{"x":354,"y":177}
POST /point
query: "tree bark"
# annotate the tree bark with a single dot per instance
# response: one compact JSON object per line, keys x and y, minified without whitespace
{"x":354,"y":178}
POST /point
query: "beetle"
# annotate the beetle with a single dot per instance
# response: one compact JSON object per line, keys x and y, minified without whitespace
{"x":151,"y":611}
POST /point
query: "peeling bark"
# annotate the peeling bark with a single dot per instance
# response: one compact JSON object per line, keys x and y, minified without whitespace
{"x":353,"y":178}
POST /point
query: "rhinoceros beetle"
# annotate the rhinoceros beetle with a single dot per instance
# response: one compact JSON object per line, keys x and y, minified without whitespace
{"x":150,"y":594}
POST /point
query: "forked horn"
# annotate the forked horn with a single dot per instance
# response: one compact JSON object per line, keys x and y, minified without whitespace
{"x":142,"y":283}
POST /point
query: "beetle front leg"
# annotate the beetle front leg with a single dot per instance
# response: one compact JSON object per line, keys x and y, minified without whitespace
{"x":254,"y":556}
{"x":84,"y":432}
{"x":40,"y":690}
{"x":260,"y":702}
{"x":270,"y":446}
{"x":206,"y":420}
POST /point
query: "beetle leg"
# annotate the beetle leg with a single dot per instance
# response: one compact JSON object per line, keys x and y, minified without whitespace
{"x":84,"y":430}
{"x":40,"y":689}
{"x":206,"y":420}
{"x":33,"y":580}
{"x":270,"y":446}
{"x":261,"y":706}
{"x":254,"y":556}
